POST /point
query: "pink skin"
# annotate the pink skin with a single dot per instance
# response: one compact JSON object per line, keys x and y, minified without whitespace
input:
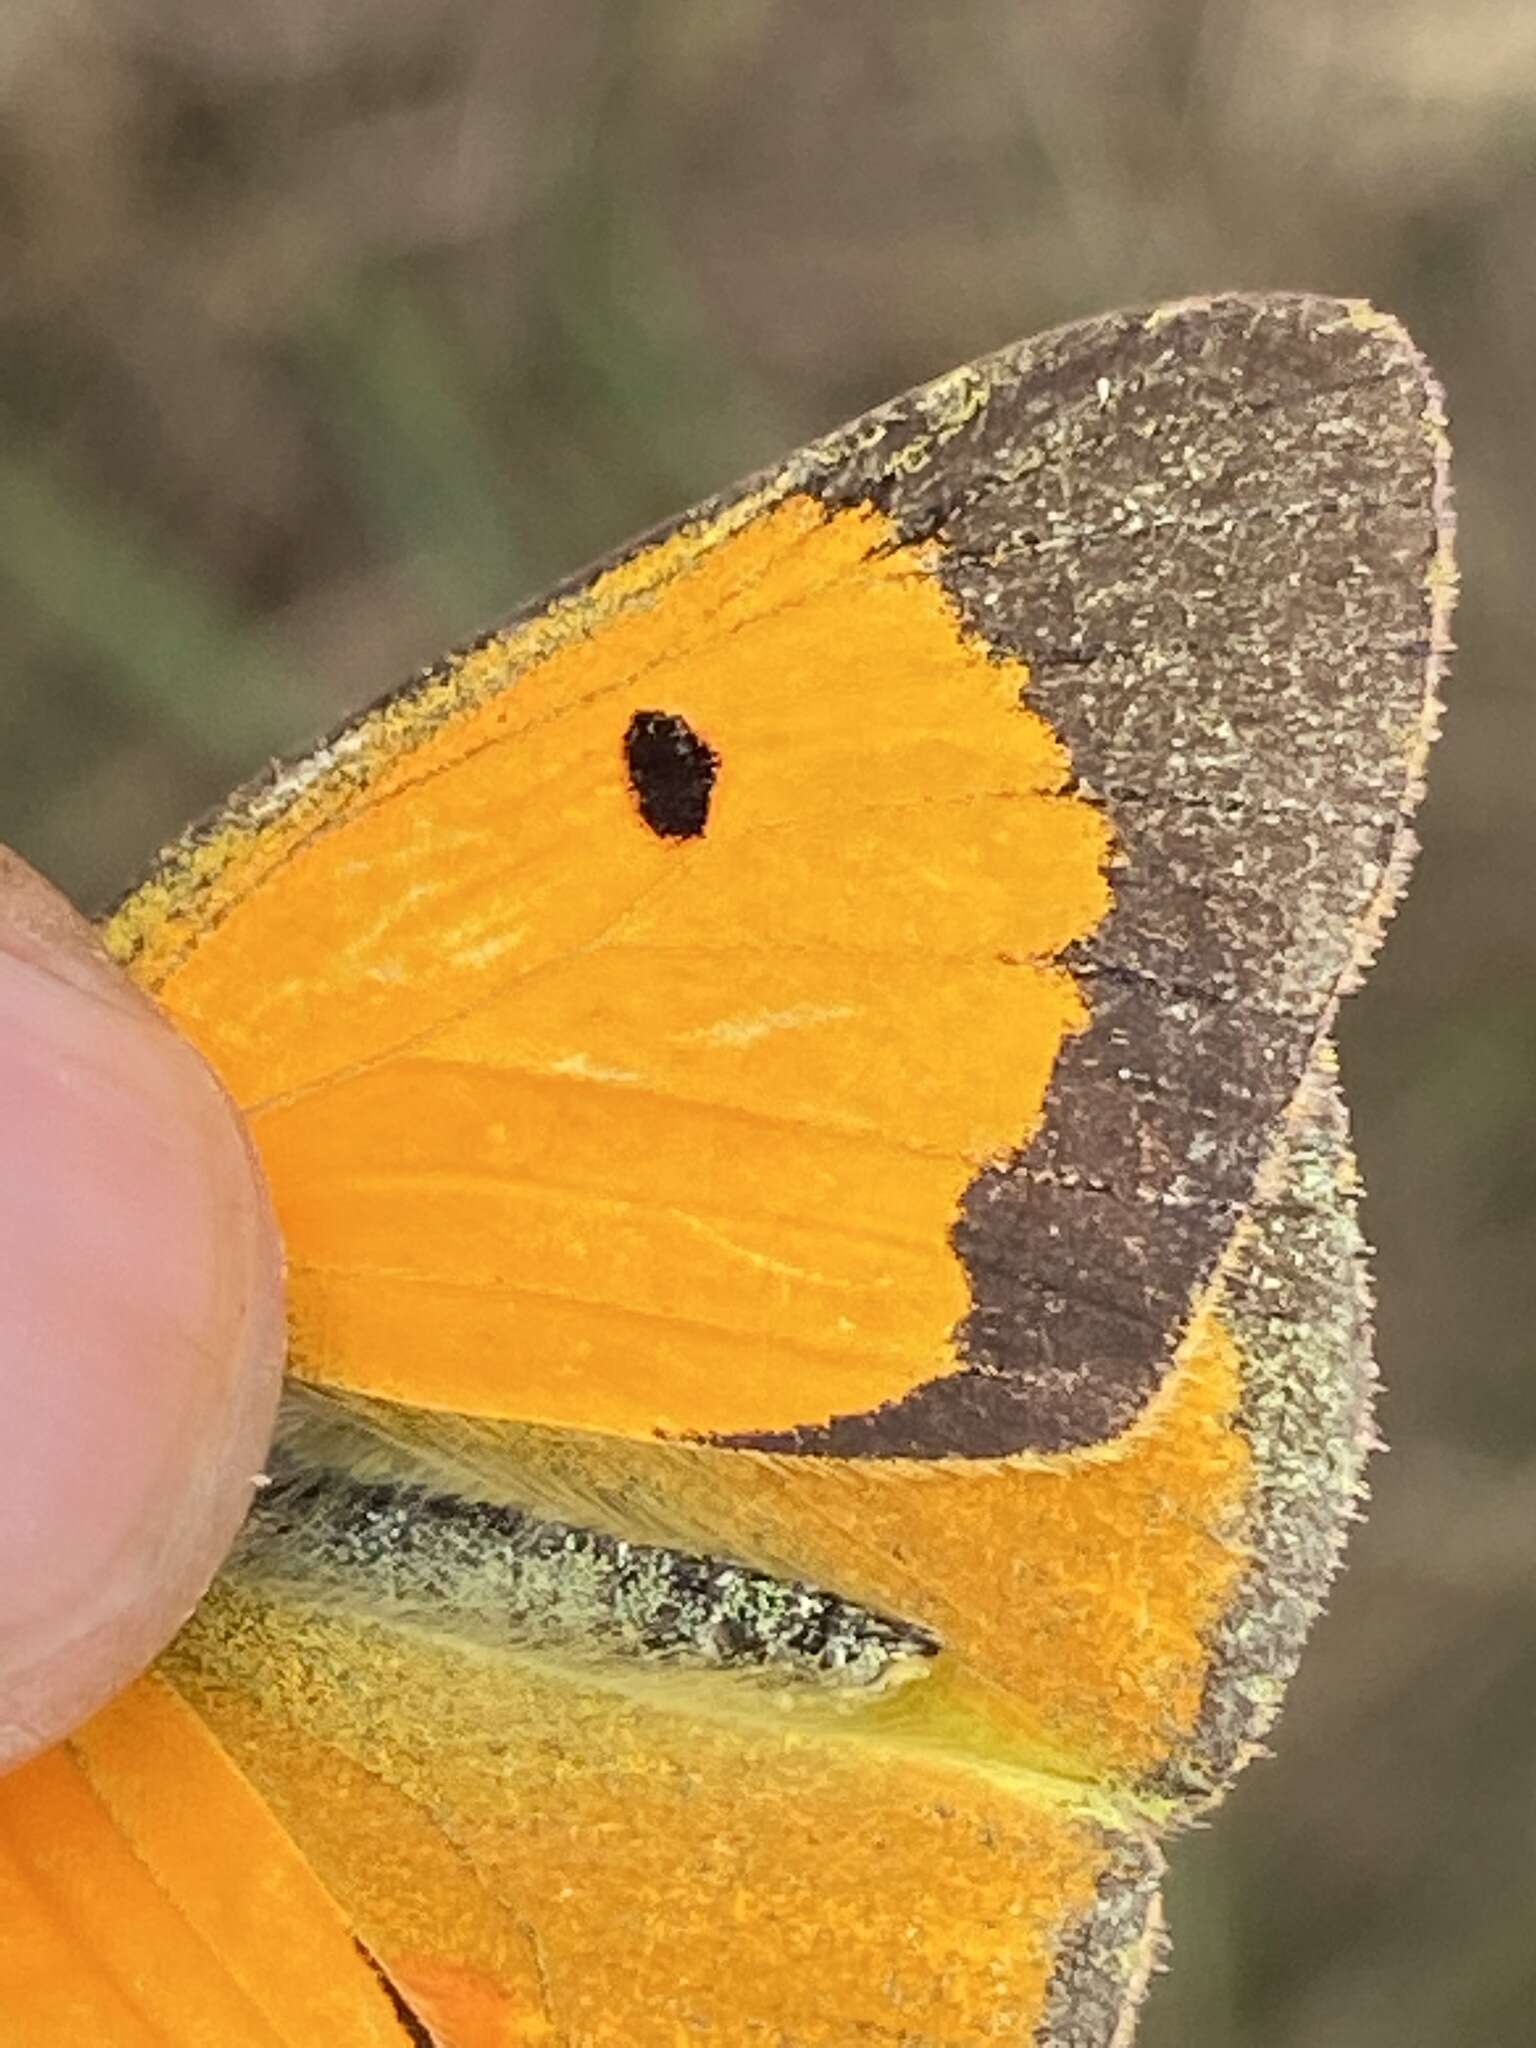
{"x":141,"y":1322}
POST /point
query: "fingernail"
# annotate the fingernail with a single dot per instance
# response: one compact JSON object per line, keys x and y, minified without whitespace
{"x":141,"y":1329}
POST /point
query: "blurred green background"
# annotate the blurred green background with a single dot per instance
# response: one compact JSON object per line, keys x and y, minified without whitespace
{"x":331,"y":328}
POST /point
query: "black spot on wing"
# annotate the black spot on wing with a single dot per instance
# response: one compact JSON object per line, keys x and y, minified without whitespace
{"x":671,"y":773}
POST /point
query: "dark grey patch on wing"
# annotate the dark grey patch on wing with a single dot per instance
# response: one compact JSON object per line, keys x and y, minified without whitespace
{"x":1217,"y":537}
{"x":1296,"y":1299}
{"x":1107,"y":1956}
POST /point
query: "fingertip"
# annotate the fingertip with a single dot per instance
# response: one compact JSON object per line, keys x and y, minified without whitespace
{"x":141,"y":1322}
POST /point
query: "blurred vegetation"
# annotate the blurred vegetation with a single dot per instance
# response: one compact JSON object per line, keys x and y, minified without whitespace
{"x":331,"y":328}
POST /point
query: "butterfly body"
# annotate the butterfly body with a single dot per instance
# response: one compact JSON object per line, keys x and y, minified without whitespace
{"x":832,"y":1350}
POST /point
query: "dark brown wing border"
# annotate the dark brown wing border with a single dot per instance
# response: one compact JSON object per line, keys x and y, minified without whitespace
{"x":1218,"y":534}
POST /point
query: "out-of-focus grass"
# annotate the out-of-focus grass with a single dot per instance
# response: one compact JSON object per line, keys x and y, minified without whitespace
{"x":190,"y":667}
{"x":331,"y":331}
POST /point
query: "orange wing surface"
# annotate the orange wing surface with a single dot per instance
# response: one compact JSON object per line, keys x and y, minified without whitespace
{"x":830,"y":1363}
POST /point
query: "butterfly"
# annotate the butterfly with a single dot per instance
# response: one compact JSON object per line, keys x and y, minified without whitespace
{"x":829,"y":1345}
